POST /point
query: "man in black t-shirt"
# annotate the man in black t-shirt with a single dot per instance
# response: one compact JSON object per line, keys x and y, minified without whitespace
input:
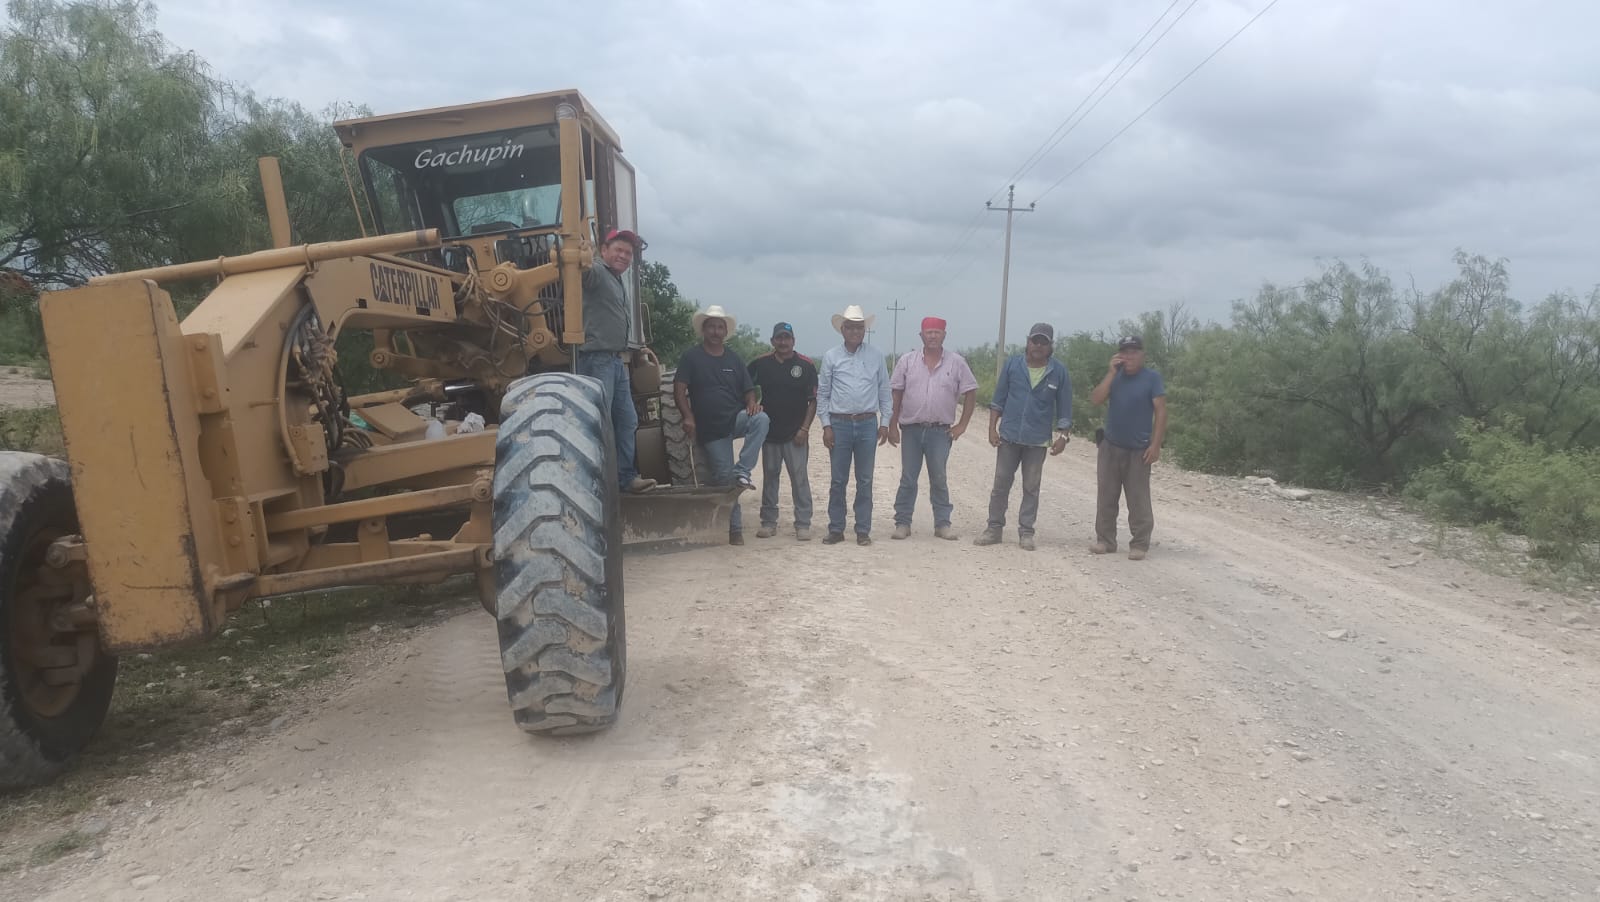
{"x":788,"y":383}
{"x":718,"y":401}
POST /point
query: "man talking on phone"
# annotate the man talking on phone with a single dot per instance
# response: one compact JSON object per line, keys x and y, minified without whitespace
{"x":1136,"y":425}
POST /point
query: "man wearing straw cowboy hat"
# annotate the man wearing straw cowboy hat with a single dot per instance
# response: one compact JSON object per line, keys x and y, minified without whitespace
{"x":853,"y":403}
{"x":718,"y":399}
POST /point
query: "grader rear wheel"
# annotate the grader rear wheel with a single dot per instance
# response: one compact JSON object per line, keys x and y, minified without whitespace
{"x":683,"y":459}
{"x":55,"y":682}
{"x":558,"y":555}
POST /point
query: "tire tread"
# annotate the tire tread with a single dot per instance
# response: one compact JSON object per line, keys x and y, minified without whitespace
{"x":559,"y":599}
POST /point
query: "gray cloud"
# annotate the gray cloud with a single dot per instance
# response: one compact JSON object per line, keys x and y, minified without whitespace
{"x":797,"y":158}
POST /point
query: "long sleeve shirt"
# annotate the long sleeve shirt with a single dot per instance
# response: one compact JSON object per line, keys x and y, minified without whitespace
{"x":854,"y":383}
{"x":1029,"y":409}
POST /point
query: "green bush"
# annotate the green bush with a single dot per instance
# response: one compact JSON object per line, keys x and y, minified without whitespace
{"x":21,"y":336}
{"x":31,"y":429}
{"x":1550,"y":495}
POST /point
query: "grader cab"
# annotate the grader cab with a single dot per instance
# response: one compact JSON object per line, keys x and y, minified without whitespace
{"x":219,"y":459}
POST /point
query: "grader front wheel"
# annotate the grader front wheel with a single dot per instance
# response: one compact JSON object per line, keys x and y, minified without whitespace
{"x":558,"y":555}
{"x":55,"y":682}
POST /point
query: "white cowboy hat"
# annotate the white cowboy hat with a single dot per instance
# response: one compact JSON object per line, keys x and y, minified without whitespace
{"x":852,"y":314}
{"x":714,"y":312}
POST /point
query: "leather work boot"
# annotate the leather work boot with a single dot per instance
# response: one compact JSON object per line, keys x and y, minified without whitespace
{"x":863,"y":539}
{"x":735,"y":538}
{"x":989,"y":537}
{"x":802,"y":533}
{"x":901,"y":531}
{"x":833,"y":538}
{"x":640,"y":485}
{"x":1136,"y":554}
{"x":766,"y":532}
{"x":1025,"y":542}
{"x":1100,"y":548}
{"x":946,"y":532}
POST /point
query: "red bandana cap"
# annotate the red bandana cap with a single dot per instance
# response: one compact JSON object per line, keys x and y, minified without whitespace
{"x":932,"y":322}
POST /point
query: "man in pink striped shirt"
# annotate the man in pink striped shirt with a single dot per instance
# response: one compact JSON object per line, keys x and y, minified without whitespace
{"x":927,"y":385}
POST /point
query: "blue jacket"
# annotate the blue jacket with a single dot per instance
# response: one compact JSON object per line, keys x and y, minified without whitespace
{"x":1028,"y":415}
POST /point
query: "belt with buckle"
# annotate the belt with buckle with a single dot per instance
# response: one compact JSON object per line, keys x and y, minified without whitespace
{"x":926,"y":425}
{"x":852,"y":416}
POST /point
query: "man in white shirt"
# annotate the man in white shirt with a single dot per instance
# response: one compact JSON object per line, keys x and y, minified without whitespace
{"x":853,"y":403}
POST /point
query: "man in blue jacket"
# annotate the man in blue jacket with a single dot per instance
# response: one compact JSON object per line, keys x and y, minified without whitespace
{"x":1032,"y":399}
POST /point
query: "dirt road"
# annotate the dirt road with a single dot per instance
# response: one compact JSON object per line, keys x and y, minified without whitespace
{"x":20,"y":389}
{"x":1274,"y":705}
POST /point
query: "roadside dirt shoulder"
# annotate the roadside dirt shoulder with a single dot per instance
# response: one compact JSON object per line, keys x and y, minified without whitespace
{"x":19,"y":389}
{"x":1262,"y":709}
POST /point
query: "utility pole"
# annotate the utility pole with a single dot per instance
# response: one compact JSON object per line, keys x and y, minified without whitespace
{"x":1005,"y":274}
{"x":896,"y":307}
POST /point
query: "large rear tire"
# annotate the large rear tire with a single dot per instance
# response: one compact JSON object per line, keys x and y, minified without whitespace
{"x":55,"y":681}
{"x":683,"y":464}
{"x":558,"y":555}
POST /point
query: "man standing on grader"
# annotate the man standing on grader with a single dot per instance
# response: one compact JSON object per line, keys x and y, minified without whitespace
{"x":605,"y":351}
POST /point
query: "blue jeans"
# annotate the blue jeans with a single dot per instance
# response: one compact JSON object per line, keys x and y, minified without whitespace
{"x":918,"y":442}
{"x":613,"y":375}
{"x":724,"y":466}
{"x":775,"y":458}
{"x":1010,"y":458}
{"x":854,"y":441}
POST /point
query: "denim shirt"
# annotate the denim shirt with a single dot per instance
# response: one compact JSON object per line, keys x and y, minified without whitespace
{"x":1028,"y":415}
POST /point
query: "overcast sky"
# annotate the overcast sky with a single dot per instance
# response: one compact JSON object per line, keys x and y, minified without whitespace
{"x":798,"y":157}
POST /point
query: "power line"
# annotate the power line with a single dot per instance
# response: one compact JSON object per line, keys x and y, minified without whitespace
{"x":1056,"y":136}
{"x":1046,"y":146}
{"x":1039,"y":152}
{"x":966,"y":233}
{"x":1135,"y":120}
{"x":1135,"y":65}
{"x":980,"y":254}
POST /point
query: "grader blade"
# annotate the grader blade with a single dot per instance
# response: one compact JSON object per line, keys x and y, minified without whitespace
{"x":676,"y":517}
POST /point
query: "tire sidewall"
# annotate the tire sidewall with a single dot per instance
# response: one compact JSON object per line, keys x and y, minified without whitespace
{"x":57,"y":739}
{"x":616,"y":611}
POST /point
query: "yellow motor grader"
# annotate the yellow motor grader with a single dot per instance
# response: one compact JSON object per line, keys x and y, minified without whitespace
{"x":218,"y":458}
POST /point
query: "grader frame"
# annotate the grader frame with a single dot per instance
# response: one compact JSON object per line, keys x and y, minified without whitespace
{"x":218,"y":459}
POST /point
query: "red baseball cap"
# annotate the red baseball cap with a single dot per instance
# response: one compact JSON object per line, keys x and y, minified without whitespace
{"x":626,"y":235}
